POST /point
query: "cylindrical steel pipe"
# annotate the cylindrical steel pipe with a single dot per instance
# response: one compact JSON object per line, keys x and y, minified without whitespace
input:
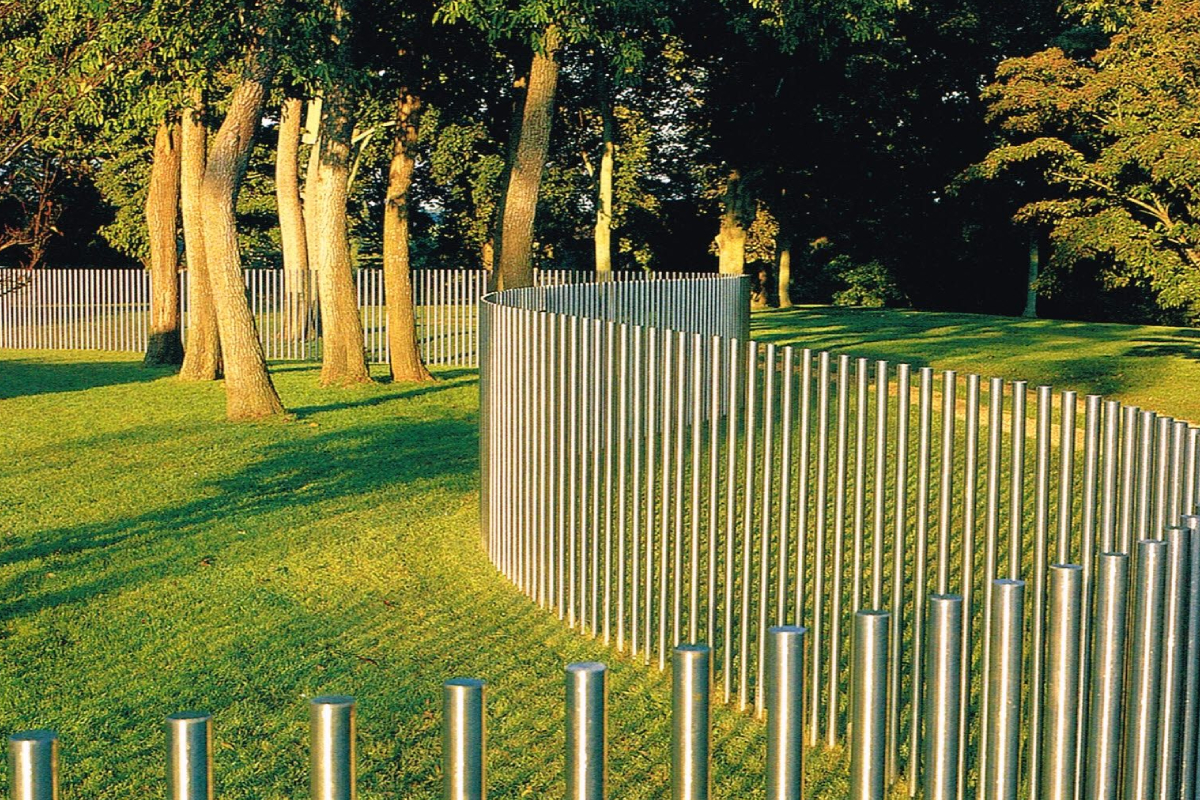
{"x":464,"y":739}
{"x":1189,"y":779}
{"x":1145,"y":676}
{"x":33,"y":765}
{"x":1060,"y":738}
{"x":189,"y":756}
{"x":1174,"y":651}
{"x":331,"y":720}
{"x":785,"y":712}
{"x":1003,"y":714}
{"x":1102,"y":763}
{"x":869,"y":705}
{"x":943,"y":702}
{"x":587,"y":731}
{"x":690,"y":727}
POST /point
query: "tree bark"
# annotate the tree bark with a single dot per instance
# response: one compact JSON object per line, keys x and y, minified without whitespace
{"x":202,"y":357}
{"x":342,"y":358}
{"x":604,"y":199}
{"x":514,"y":266}
{"x":784,"y":265}
{"x":731,"y":238}
{"x":249,"y":393}
{"x":291,"y":220}
{"x":405,"y":355}
{"x":1031,"y":282}
{"x":164,"y":347}
{"x":491,"y":248}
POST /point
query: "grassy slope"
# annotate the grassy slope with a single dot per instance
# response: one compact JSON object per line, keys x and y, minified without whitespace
{"x":155,"y":558}
{"x":1154,"y":367}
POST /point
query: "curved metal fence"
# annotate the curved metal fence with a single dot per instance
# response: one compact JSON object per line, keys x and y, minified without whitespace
{"x":1009,"y":589}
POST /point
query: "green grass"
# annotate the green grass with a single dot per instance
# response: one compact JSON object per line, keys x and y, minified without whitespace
{"x":1153,"y":367}
{"x":156,"y":559}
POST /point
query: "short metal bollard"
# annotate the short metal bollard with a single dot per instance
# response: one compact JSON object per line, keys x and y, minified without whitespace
{"x":189,"y":756}
{"x":333,"y":769}
{"x":33,"y":765}
{"x":464,"y":739}
{"x":690,"y":727}
{"x":587,"y":731}
{"x":1003,"y":715}
{"x":1060,"y":738}
{"x":869,"y":705}
{"x":785,"y":712}
{"x":1102,"y":761}
{"x":943,"y":677}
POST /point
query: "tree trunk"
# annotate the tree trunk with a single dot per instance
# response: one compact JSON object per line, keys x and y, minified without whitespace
{"x":491,"y":248}
{"x":1031,"y":283}
{"x":342,"y":359}
{"x":291,"y":220}
{"x":784,"y":265}
{"x":405,"y":355}
{"x":731,"y":238}
{"x":605,"y":187}
{"x":249,"y":393}
{"x":164,"y":347}
{"x":514,"y":266}
{"x":202,"y":358}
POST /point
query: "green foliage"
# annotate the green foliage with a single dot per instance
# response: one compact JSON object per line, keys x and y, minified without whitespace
{"x":869,"y":285}
{"x":1111,"y":139}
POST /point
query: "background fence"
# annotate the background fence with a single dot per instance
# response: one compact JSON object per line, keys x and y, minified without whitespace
{"x":657,"y":479}
{"x":109,"y":309}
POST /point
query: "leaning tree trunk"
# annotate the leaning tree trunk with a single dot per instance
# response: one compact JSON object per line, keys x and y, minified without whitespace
{"x":514,"y":266}
{"x":405,"y":355}
{"x":783,"y":260}
{"x":291,"y":220}
{"x":202,"y":357}
{"x":342,"y":358}
{"x":164,"y":347}
{"x":604,"y":204}
{"x":249,"y":393}
{"x":731,"y":238}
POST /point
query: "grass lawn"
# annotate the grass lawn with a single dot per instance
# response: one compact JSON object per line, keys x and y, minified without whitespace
{"x":1154,"y":367}
{"x":155,"y":558}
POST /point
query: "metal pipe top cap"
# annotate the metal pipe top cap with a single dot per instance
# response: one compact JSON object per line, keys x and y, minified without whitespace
{"x":189,"y":716}
{"x":467,"y":683}
{"x":1001,"y":582}
{"x":945,"y":598}
{"x":693,"y":648}
{"x":1192,"y":521}
{"x":586,"y":668}
{"x":39,"y":736}
{"x":1066,"y":568}
{"x":337,"y":700}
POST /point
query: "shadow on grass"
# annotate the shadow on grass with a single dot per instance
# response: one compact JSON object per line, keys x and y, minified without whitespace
{"x":23,"y":377}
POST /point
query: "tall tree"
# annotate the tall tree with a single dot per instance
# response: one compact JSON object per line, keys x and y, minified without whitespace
{"x":202,"y":356}
{"x":164,"y":346}
{"x":292,"y":233}
{"x":604,"y":176}
{"x":249,"y":392}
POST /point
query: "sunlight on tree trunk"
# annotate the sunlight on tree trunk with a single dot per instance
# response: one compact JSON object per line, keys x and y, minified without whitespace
{"x":249,"y":393}
{"x":292,"y":235}
{"x":202,"y":357}
{"x":731,"y":239}
{"x":514,"y":266}
{"x":342,"y":358}
{"x":783,"y":263}
{"x":164,"y":347}
{"x":605,"y":186}
{"x":406,"y":364}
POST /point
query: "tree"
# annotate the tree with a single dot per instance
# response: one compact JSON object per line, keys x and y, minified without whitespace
{"x":1111,"y":139}
{"x":292,"y":232}
{"x":164,"y":346}
{"x":202,"y":356}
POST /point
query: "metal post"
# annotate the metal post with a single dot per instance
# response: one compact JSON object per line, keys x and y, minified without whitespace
{"x":920,"y":569}
{"x":785,"y":712}
{"x":1060,"y":736}
{"x":690,"y":727}
{"x":1002,"y":774}
{"x":33,"y":765}
{"x":189,"y":756}
{"x":1102,"y":763}
{"x":1174,"y":649}
{"x":1188,"y":778}
{"x":587,"y":731}
{"x":900,"y":533}
{"x":869,"y":705}
{"x":331,"y":725}
{"x":464,"y":739}
{"x":943,"y":704}
{"x":1145,"y":678}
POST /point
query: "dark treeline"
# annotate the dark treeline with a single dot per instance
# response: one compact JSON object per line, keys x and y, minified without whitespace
{"x":947,"y":154}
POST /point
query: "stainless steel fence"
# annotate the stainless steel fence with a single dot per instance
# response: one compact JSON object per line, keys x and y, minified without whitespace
{"x":654,"y":478}
{"x":109,"y":309}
